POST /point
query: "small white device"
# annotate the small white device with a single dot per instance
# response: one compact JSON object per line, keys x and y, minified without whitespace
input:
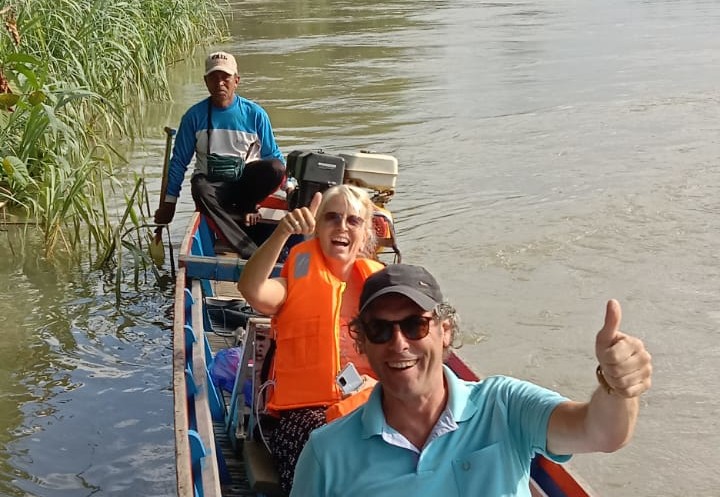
{"x":349,"y":379}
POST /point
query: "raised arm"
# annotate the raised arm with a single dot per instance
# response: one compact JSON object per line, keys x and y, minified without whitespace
{"x":607,"y":422}
{"x":266,"y":294}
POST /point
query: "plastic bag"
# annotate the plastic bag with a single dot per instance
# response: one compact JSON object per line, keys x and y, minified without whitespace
{"x":224,"y":367}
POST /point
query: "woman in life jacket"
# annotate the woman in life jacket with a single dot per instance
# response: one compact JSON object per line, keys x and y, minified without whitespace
{"x":311,"y":304}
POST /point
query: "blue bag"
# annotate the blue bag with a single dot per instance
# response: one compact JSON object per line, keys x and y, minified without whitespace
{"x":225,"y":366}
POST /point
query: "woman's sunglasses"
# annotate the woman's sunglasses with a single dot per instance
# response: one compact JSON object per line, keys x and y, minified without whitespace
{"x":336,"y":218}
{"x":380,"y":331}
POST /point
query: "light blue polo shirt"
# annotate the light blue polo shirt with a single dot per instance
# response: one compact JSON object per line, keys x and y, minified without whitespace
{"x":482,"y":445}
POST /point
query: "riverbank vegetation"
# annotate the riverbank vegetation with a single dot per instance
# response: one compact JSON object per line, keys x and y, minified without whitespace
{"x":72,"y":76}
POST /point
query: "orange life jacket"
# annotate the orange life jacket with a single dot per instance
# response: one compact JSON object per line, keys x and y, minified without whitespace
{"x":307,"y":357}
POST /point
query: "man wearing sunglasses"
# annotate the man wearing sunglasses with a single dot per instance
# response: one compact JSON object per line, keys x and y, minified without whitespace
{"x":424,"y":432}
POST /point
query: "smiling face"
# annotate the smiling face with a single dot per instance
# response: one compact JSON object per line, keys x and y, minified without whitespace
{"x":221,"y":86}
{"x":341,"y":228}
{"x":262,"y":344}
{"x":409,"y":370}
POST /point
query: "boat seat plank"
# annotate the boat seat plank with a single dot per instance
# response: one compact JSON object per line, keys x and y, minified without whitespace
{"x":221,"y":268}
{"x":260,"y":469}
{"x":226,"y":290}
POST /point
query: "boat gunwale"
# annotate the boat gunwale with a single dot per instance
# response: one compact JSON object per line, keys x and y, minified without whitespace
{"x":180,"y":414}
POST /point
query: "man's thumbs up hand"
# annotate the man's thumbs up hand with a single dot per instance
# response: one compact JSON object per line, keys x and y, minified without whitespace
{"x":624,"y":362}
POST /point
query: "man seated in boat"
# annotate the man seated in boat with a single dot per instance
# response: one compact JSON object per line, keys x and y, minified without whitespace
{"x":237,"y":161}
{"x":424,"y":432}
{"x":312,"y":303}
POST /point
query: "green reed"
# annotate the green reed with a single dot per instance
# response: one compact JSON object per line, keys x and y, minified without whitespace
{"x":73,"y":77}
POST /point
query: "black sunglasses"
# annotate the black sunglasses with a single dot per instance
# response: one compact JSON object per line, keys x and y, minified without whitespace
{"x":380,"y":331}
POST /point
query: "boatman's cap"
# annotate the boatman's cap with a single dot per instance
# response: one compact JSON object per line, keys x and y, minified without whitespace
{"x":220,"y":61}
{"x":414,"y":282}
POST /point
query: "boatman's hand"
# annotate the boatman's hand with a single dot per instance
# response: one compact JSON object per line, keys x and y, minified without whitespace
{"x":301,"y":221}
{"x":623,"y":361}
{"x":165,"y":213}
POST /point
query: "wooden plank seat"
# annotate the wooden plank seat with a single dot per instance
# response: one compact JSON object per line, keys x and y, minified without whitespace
{"x":260,"y":469}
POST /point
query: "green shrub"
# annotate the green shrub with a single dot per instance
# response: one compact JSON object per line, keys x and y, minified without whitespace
{"x":73,"y":75}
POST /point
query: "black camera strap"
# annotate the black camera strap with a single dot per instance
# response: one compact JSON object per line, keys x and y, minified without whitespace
{"x":209,"y":125}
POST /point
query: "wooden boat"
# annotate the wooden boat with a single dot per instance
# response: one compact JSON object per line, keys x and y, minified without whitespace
{"x":216,"y":450}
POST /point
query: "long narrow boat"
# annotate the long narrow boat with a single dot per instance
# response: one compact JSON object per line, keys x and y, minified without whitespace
{"x":217,"y":453}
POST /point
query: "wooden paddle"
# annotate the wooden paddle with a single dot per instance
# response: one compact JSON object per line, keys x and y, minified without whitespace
{"x":157,"y":249}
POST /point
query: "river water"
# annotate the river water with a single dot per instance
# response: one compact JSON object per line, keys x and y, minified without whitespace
{"x":552,"y":155}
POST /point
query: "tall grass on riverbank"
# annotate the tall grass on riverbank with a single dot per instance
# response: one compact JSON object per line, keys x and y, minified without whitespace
{"x":72,"y":76}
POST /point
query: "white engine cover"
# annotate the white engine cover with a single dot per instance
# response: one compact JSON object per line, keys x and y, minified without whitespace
{"x":370,"y":170}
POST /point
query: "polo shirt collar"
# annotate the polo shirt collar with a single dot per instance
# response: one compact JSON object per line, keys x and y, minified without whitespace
{"x":461,"y":407}
{"x":459,"y":404}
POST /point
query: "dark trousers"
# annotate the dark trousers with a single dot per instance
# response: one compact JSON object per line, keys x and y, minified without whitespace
{"x":227,"y":202}
{"x":289,"y":437}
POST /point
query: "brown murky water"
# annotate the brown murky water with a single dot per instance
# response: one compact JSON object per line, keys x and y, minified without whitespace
{"x":552,"y":155}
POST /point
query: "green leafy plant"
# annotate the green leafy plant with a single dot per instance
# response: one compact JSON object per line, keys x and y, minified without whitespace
{"x":73,"y":77}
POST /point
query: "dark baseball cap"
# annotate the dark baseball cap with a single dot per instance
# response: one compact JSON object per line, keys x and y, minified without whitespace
{"x":414,"y":282}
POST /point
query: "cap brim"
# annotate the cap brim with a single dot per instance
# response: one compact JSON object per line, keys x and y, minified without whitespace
{"x":426,"y":303}
{"x":221,"y":69}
